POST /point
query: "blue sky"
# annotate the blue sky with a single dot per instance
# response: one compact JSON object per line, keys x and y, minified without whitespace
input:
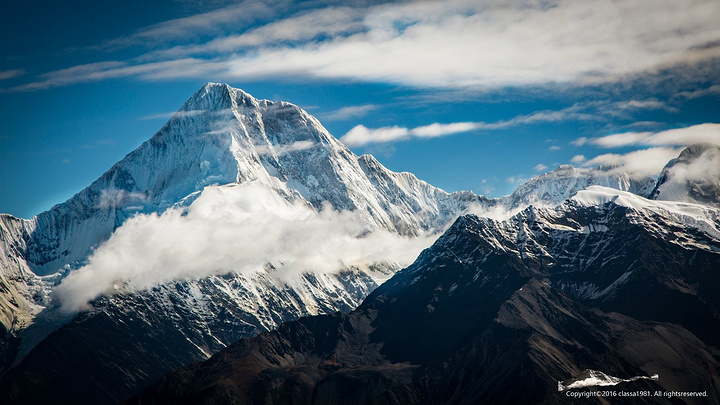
{"x":468,"y":95}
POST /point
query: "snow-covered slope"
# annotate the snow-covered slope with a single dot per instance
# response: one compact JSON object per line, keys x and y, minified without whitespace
{"x":554,"y":187}
{"x":21,"y":291}
{"x":223,"y":135}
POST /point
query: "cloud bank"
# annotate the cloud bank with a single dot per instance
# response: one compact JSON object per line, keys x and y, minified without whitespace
{"x":694,"y":178}
{"x":708,"y":132}
{"x":237,"y":228}
{"x":429,"y":44}
{"x":659,"y":148}
{"x":643,"y":162}
{"x":498,"y":43}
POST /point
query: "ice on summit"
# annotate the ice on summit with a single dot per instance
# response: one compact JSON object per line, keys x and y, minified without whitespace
{"x":593,"y":378}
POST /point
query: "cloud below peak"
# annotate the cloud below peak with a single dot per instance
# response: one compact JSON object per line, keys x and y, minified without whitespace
{"x":238,"y":228}
{"x":643,"y":162}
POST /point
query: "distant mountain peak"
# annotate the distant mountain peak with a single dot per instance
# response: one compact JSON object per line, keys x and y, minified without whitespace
{"x":694,"y":176}
{"x":553,"y":187}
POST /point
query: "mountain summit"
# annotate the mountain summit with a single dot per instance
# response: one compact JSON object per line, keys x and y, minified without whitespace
{"x":694,"y":176}
{"x":209,"y":159}
{"x":239,"y":214}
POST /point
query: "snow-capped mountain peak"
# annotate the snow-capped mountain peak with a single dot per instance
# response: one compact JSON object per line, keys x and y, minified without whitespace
{"x":556,"y":186}
{"x":694,"y":176}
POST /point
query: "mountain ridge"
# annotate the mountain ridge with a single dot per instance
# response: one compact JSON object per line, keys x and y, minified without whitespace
{"x":487,"y":315}
{"x":220,"y":135}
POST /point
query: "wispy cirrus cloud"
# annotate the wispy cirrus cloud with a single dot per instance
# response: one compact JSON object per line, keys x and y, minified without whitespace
{"x":657,"y":148}
{"x":707,"y":91}
{"x":235,"y":16}
{"x":167,"y":115}
{"x":344,"y":113}
{"x":11,"y":74}
{"x":489,"y":44}
{"x":708,"y":132}
{"x":474,"y":43}
{"x":92,"y":72}
{"x":643,"y":162}
{"x":299,"y":29}
{"x":361,"y":135}
{"x":279,"y":150}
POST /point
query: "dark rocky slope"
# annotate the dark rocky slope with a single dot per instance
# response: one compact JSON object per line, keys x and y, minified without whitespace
{"x":499,"y":312}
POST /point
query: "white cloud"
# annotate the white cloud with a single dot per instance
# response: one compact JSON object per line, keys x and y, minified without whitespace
{"x":473,"y":44}
{"x":362,"y":135}
{"x":693,"y":179}
{"x":519,"y":179}
{"x":116,"y":197}
{"x":279,"y":150}
{"x":235,"y":16}
{"x":579,"y":141}
{"x":497,"y":213}
{"x":11,"y":74}
{"x":577,"y":159}
{"x":178,"y":114}
{"x":702,"y":92}
{"x":708,"y":132}
{"x":643,"y":105}
{"x":618,"y":140}
{"x":304,"y":27}
{"x":540,"y":167}
{"x":344,"y":113}
{"x":554,"y":148}
{"x":172,"y":69}
{"x":644,"y":162}
{"x":238,"y":228}
{"x":437,"y":130}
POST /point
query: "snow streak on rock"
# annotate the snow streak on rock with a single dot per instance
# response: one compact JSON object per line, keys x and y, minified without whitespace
{"x":592,"y":378}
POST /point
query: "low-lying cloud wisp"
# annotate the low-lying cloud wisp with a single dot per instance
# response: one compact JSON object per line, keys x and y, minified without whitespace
{"x":238,"y":228}
{"x":694,"y":179}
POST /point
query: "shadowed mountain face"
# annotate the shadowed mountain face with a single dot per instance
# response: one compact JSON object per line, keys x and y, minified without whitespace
{"x":499,"y":312}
